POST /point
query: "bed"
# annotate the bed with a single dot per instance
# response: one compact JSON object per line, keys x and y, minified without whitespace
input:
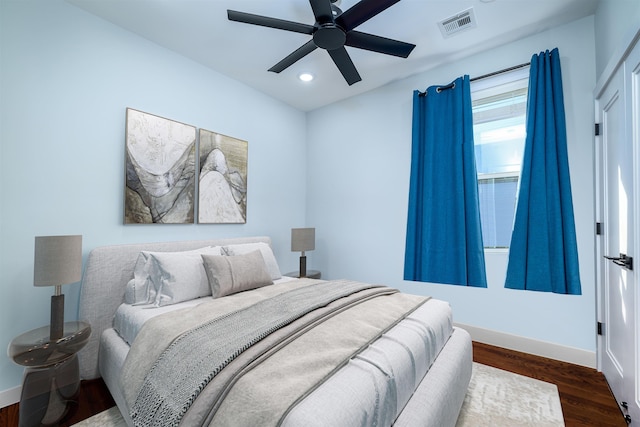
{"x":338,"y":352}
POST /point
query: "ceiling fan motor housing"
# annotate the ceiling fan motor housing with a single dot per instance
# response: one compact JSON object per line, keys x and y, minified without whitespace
{"x":329,"y":36}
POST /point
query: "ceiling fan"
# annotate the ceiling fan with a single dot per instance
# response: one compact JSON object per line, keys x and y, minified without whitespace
{"x":332,"y":31}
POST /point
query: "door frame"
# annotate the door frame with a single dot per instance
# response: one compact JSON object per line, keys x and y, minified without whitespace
{"x":632,"y":133}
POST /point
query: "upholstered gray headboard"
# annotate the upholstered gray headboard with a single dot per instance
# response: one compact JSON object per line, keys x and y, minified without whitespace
{"x":106,"y":273}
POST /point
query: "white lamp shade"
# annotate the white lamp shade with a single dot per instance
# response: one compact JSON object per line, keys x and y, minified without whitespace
{"x":303,"y":239}
{"x":58,"y":260}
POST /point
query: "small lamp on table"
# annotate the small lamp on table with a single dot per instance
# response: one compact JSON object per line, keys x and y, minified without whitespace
{"x":51,"y":380}
{"x":58,"y":261}
{"x":302,"y":240}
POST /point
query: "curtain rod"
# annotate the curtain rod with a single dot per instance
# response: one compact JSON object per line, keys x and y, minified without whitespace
{"x":505,"y":70}
{"x":484,"y":76}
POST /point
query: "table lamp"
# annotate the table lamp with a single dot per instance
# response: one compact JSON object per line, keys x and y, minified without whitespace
{"x":58,"y":261}
{"x":303,"y":239}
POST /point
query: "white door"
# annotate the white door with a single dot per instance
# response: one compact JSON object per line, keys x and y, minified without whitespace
{"x":619,"y":346}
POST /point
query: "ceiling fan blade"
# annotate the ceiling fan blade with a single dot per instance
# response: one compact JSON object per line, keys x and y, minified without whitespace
{"x":378,"y":44}
{"x":265,"y":21}
{"x":322,"y":11}
{"x":295,"y":56}
{"x":362,"y":11}
{"x":345,"y":65}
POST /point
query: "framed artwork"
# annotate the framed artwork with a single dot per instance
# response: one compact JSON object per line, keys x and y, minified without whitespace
{"x":222,"y":183}
{"x":160,"y":170}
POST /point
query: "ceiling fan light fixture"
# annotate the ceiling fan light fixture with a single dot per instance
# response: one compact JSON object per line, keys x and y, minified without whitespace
{"x":305,"y":77}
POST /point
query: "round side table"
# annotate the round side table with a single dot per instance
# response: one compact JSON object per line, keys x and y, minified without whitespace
{"x":311,"y":274}
{"x":51,"y":378}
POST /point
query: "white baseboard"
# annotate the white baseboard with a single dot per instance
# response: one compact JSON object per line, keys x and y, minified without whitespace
{"x":528,"y":345}
{"x":10,"y":396}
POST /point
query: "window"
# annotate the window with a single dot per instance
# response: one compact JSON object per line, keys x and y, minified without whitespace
{"x":499,"y":130}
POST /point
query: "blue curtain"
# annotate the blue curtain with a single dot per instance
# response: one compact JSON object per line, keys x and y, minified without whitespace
{"x":444,"y":239}
{"x":543,"y":254}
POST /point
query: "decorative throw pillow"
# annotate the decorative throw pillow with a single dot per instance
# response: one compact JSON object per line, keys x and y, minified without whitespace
{"x":267,"y":254}
{"x":231,"y":274}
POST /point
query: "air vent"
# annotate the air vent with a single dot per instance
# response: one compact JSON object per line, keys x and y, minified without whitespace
{"x":460,"y":22}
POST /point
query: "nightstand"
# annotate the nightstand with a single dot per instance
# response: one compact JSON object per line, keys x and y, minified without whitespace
{"x":311,"y":274}
{"x":51,"y":378}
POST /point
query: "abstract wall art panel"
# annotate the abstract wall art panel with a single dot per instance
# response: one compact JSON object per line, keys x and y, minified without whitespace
{"x":160,"y":170}
{"x":222,"y":189}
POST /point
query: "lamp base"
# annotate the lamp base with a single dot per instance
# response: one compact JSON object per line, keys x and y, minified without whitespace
{"x":57,"y":317}
{"x":303,"y":266}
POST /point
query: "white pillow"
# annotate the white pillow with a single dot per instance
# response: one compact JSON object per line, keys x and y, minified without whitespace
{"x":133,"y":295}
{"x":142,"y":289}
{"x":267,"y":255}
{"x":180,"y":276}
{"x":232,"y":274}
{"x":164,"y":278}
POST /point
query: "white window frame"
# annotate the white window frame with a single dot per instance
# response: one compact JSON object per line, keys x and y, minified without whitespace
{"x":495,"y":85}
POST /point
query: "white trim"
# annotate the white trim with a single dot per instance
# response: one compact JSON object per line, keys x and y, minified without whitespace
{"x":498,"y":175}
{"x":598,"y":207}
{"x":528,"y":345}
{"x":518,"y":78}
{"x":10,"y":396}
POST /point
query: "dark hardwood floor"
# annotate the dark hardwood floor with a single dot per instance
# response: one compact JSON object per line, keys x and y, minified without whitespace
{"x":94,"y":398}
{"x":584,"y":394}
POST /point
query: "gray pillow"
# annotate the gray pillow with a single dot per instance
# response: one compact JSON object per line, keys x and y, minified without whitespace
{"x":265,"y":250}
{"x":231,"y":274}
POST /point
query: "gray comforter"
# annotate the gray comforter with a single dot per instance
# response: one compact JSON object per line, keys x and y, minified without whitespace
{"x":216,"y":364}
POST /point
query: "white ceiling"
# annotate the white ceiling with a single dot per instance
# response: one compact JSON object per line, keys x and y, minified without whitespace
{"x":200,"y":30}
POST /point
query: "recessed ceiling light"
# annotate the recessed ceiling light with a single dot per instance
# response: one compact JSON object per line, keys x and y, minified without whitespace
{"x":305,"y":77}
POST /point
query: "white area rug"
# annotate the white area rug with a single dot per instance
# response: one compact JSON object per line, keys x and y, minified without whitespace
{"x":495,"y":398}
{"x":500,"y":398}
{"x":109,"y":418}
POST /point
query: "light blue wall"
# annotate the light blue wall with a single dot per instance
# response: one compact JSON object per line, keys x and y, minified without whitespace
{"x":67,"y":78}
{"x":359,"y":162}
